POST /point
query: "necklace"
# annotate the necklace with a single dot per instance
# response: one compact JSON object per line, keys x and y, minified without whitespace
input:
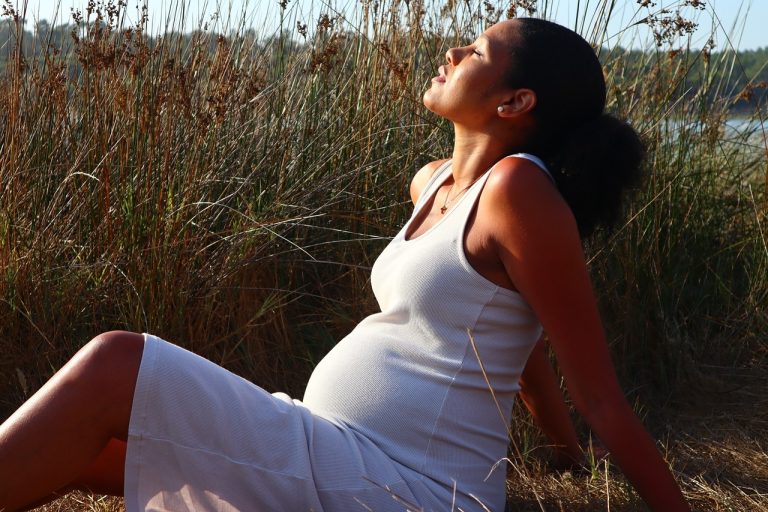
{"x":444,"y":208}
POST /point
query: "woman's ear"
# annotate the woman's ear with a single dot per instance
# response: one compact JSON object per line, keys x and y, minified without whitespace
{"x":521,"y":101}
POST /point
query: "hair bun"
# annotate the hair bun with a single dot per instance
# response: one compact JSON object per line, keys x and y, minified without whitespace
{"x":594,"y":157}
{"x":599,"y":161}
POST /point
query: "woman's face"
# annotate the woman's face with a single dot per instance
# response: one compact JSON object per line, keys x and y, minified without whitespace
{"x":469,"y":87}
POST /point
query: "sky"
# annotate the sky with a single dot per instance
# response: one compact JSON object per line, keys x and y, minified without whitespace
{"x":745,"y":18}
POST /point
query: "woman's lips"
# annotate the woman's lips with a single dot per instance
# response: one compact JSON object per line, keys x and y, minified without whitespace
{"x":441,"y":75}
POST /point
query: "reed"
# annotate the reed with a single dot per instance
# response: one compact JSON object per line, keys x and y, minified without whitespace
{"x":229,"y":189}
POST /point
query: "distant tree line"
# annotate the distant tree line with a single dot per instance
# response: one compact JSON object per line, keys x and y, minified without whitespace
{"x":741,"y":77}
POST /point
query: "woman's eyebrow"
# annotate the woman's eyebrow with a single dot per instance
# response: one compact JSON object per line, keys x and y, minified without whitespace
{"x":485,"y":42}
{"x":482,"y":38}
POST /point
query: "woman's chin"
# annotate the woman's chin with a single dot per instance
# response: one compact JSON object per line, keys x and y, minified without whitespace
{"x":430,"y":102}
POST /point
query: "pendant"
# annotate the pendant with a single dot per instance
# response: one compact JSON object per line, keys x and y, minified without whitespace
{"x":443,"y":210}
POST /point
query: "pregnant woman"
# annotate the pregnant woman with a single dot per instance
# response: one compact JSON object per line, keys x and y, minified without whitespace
{"x":411,"y":410}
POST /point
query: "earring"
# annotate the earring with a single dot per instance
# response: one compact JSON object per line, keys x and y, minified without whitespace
{"x":500,"y":108}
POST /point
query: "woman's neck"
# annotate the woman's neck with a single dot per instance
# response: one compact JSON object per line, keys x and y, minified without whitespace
{"x":474,"y":152}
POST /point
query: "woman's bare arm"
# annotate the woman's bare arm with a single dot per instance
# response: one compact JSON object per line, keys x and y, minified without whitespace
{"x":541,"y":394}
{"x":539,"y":391}
{"x":537,"y":241}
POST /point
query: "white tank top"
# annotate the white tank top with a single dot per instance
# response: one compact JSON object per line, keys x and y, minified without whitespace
{"x":408,"y":377}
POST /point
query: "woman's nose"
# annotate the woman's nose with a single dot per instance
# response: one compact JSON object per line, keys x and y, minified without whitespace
{"x":452,"y":55}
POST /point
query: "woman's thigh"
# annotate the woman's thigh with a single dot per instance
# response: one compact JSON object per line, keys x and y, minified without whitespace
{"x":106,"y":475}
{"x":202,"y":438}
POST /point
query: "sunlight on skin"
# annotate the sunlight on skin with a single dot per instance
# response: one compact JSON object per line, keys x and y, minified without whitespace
{"x":89,"y":401}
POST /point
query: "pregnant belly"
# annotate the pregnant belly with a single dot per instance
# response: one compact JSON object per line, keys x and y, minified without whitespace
{"x":375,"y":387}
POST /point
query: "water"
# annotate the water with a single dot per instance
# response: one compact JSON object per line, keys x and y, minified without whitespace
{"x":741,"y":124}
{"x":746,"y":130}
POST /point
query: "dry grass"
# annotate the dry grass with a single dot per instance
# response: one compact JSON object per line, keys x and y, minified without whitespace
{"x":230,"y":192}
{"x":716,"y":442}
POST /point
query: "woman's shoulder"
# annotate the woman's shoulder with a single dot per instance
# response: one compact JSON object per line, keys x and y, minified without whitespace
{"x":514,"y":173}
{"x":422,"y":177}
{"x":514,"y":179}
{"x":519,"y":195}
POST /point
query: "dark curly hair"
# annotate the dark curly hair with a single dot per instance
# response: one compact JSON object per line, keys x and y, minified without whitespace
{"x":594,"y":157}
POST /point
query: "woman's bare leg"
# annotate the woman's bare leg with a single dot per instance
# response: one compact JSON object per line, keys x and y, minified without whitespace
{"x":58,"y":434}
{"x":106,"y":474}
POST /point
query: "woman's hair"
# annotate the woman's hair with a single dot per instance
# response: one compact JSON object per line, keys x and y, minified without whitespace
{"x":594,"y":157}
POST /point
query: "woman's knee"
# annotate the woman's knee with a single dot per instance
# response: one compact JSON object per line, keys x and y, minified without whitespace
{"x":115,"y":345}
{"x":108,"y":366}
{"x":109,"y":355}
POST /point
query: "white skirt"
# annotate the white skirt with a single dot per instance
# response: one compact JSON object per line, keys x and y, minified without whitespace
{"x":203,"y":439}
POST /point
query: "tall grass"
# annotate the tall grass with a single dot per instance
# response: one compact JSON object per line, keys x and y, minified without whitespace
{"x":230,"y":191}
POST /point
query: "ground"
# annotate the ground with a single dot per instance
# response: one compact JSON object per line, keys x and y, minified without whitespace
{"x":715,"y":437}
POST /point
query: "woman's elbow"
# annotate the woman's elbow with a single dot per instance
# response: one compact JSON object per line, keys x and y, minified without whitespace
{"x":603,"y":411}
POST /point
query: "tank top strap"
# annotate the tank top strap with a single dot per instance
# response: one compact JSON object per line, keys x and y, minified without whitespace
{"x":433,"y":183}
{"x":538,"y":161}
{"x":466,"y":203}
{"x":472,"y":194}
{"x":477,"y":187}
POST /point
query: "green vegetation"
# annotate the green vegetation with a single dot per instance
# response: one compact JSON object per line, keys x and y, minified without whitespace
{"x":230,"y":194}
